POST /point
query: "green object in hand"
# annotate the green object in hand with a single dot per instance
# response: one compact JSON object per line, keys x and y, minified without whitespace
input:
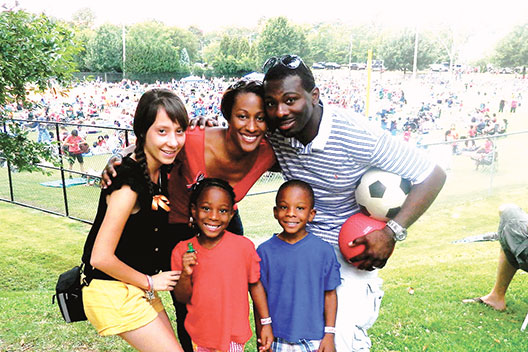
{"x":191,"y":248}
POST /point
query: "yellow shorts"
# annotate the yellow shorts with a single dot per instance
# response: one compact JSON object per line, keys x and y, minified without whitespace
{"x":114,"y":307}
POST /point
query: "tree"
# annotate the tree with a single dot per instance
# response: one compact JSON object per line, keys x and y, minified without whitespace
{"x":397,"y":51}
{"x":329,"y":43}
{"x":81,"y":38}
{"x":34,"y":51}
{"x":186,"y":39}
{"x":104,"y":51}
{"x":279,"y":37}
{"x":84,"y":18}
{"x":512,"y":50}
{"x":233,"y":55}
{"x":150,"y":49}
{"x":184,"y":59}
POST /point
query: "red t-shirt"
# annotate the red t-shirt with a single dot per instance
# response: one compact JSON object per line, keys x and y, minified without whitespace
{"x":219,"y":308}
{"x":73,"y":144}
{"x":193,"y":164}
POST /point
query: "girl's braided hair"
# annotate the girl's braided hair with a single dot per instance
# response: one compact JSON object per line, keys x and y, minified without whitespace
{"x":146,"y":112}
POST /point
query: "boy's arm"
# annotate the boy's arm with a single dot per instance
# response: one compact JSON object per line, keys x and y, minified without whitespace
{"x":260,"y":308}
{"x":330,"y":311}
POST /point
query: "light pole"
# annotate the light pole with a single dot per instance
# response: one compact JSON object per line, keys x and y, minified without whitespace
{"x":350,"y":53}
{"x":415,"y":59}
{"x":124,"y":49}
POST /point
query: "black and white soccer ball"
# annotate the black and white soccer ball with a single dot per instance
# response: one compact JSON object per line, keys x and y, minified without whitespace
{"x":380,"y":194}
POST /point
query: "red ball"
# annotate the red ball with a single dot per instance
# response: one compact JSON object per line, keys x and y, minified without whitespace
{"x":356,"y":226}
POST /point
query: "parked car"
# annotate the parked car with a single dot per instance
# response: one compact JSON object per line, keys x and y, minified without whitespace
{"x":332,"y":65}
{"x":439,"y":68}
{"x":377,"y":65}
{"x":318,"y":66}
{"x":357,"y":66}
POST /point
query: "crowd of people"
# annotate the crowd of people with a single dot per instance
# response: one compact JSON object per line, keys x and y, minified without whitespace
{"x":410,"y":109}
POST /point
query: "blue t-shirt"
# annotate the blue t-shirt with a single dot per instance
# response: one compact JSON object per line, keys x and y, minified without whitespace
{"x":295,"y":277}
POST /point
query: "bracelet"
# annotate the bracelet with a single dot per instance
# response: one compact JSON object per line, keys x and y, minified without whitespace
{"x":150,"y":292}
{"x":330,"y":330}
{"x":150,"y":283}
{"x":265,"y":321}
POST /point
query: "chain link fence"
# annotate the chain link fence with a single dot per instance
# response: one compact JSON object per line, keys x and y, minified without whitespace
{"x":476,"y":168}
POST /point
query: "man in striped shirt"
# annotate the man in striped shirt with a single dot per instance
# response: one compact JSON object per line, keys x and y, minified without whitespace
{"x":331,"y":149}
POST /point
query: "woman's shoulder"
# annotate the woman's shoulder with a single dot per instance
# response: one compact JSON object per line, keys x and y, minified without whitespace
{"x":214,"y":135}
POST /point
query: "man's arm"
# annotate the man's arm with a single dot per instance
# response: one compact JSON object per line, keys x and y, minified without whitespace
{"x":380,"y":243}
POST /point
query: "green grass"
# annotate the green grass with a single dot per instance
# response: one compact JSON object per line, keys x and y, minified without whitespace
{"x":442,"y":274}
{"x":35,"y":247}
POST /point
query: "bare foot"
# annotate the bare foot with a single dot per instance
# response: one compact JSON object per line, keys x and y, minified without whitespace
{"x":494,"y":302}
{"x":500,"y":306}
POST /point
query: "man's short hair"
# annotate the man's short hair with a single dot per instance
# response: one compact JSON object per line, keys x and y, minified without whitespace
{"x":279,"y":71}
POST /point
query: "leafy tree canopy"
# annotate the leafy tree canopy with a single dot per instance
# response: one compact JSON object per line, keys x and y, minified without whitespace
{"x":512,"y":51}
{"x":34,"y":50}
{"x":104,"y":51}
{"x":280,"y":37}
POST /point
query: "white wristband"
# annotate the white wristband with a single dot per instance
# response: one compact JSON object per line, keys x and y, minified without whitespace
{"x":330,"y":330}
{"x":265,"y":321}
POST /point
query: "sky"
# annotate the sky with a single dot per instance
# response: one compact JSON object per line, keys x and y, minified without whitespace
{"x":488,"y":20}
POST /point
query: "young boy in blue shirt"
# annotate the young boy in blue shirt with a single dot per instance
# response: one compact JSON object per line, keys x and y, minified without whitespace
{"x":300,"y":273}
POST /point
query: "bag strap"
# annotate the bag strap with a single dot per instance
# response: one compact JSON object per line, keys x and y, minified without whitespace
{"x":85,"y":280}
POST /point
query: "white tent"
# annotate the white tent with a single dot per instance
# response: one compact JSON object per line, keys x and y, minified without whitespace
{"x":254,"y":76}
{"x":191,"y":79}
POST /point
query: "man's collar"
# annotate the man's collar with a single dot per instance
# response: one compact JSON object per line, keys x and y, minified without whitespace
{"x":319,"y":142}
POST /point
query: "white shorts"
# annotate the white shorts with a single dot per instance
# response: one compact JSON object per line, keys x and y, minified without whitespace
{"x":358,"y":303}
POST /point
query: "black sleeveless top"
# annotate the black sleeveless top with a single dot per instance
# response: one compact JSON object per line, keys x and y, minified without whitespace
{"x":145,"y":243}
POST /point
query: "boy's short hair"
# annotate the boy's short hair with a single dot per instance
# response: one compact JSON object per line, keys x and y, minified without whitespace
{"x":300,"y":184}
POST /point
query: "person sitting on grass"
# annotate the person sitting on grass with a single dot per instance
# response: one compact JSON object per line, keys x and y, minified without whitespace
{"x":513,"y":255}
{"x":302,"y":295}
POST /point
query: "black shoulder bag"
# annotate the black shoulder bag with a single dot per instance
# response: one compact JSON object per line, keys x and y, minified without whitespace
{"x":68,"y":293}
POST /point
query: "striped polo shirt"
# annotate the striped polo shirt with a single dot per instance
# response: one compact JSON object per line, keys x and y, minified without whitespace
{"x":346,"y":146}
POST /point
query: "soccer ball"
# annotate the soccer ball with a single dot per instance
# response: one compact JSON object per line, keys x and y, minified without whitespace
{"x":380,"y":194}
{"x":357,"y":225}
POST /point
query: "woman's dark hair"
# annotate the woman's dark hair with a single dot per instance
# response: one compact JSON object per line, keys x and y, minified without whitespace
{"x":201,"y":185}
{"x":240,"y":87}
{"x":146,"y":111}
{"x":74,"y":133}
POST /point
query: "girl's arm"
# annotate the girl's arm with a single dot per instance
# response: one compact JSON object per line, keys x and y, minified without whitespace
{"x":183,"y":289}
{"x":330,"y":311}
{"x":121,"y":203}
{"x":260,"y":307}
